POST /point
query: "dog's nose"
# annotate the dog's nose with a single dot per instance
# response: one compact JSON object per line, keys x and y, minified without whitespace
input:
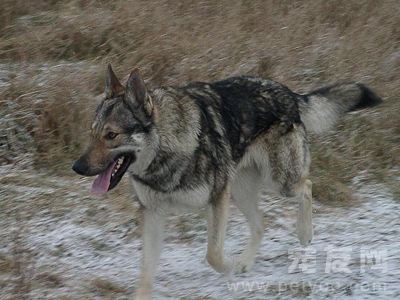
{"x":80,"y":167}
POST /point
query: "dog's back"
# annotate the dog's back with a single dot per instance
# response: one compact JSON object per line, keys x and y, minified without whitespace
{"x":244,"y":107}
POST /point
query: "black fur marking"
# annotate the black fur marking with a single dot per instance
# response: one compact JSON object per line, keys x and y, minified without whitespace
{"x":368,"y":98}
{"x":250,"y":106}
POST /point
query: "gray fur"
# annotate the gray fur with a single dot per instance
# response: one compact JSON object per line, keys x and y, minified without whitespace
{"x":321,"y":109}
{"x":202,"y":144}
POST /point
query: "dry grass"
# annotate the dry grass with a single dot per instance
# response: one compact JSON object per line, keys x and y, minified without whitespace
{"x":302,"y":44}
{"x":106,"y":287}
{"x":6,"y":264}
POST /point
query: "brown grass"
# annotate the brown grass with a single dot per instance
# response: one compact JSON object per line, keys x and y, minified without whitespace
{"x":50,"y":279}
{"x":302,"y":44}
{"x":6,"y":264}
{"x":105,"y":286}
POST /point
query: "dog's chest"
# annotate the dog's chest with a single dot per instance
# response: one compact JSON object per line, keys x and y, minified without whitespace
{"x":180,"y":200}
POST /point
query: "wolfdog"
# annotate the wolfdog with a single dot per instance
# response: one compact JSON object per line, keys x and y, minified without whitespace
{"x":206,"y":144}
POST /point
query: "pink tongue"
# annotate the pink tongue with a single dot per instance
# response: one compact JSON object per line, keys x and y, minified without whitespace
{"x":102,"y":182}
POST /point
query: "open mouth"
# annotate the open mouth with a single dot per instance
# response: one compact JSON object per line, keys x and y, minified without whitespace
{"x":111,"y":176}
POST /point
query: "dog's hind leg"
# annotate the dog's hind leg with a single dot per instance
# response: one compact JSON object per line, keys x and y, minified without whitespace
{"x":218,"y":213}
{"x":152,"y":234}
{"x":304,"y":217}
{"x":289,"y":160}
{"x":246,"y":194}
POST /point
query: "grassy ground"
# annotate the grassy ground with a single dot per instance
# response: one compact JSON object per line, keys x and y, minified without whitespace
{"x":302,"y":44}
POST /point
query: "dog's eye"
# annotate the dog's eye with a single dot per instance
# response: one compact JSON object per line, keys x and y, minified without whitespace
{"x":111,"y":135}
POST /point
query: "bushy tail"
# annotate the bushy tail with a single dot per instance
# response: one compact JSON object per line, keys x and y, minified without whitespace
{"x":322,"y":108}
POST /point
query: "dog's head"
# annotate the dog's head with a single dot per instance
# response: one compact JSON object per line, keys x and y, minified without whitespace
{"x":121,"y":132}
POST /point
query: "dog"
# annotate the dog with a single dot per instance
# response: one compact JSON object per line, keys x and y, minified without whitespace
{"x":206,"y":144}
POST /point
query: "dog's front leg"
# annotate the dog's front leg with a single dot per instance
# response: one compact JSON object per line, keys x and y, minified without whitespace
{"x":218,"y":212}
{"x":152,"y":236}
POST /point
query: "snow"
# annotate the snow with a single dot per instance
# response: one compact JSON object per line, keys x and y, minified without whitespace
{"x":81,"y":251}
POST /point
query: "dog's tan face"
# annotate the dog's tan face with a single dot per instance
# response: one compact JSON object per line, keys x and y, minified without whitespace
{"x":119,"y":133}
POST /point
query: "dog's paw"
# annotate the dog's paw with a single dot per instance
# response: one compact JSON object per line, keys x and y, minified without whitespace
{"x":243,"y":265}
{"x":222,"y":265}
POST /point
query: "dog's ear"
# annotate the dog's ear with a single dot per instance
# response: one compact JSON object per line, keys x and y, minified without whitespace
{"x":136,"y":94}
{"x":113,"y":86}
